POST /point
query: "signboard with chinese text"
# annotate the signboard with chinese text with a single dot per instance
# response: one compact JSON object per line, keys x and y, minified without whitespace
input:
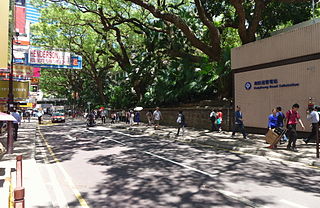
{"x":22,"y":70}
{"x":20,"y":90}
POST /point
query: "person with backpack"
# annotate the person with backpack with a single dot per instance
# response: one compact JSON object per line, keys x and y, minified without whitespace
{"x":239,"y":126}
{"x":281,"y":117}
{"x":219,"y":120}
{"x":213,"y":118}
{"x":292,"y":119}
{"x":181,"y":122}
{"x":313,"y":117}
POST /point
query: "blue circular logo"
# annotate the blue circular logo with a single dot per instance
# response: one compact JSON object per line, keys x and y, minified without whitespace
{"x":248,"y":86}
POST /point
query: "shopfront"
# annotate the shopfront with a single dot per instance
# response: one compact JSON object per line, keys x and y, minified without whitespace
{"x":278,"y":71}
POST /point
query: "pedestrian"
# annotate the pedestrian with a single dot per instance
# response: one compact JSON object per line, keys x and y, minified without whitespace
{"x":131,"y":121}
{"x":137,"y":117}
{"x":103,"y":116}
{"x":181,"y":122}
{"x":219,"y":120}
{"x":113,"y":118}
{"x":313,"y":117}
{"x":213,"y":117}
{"x":239,"y":125}
{"x":292,"y":119}
{"x":281,"y":117}
{"x":39,"y":115}
{"x":128,"y":117}
{"x":28,"y":115}
{"x":149,"y":117}
{"x":16,"y":123}
{"x":157,"y":117}
{"x":272,"y":124}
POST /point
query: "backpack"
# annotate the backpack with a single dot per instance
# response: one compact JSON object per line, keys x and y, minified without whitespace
{"x":179,"y":119}
{"x":213,"y":117}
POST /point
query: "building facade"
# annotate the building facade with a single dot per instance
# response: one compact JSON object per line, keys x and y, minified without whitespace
{"x":278,"y":71}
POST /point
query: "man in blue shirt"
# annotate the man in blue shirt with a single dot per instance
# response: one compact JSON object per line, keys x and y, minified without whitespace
{"x":239,"y":123}
{"x":16,"y":123}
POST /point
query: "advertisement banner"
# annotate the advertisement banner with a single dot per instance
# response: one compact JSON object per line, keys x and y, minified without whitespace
{"x":4,"y":29}
{"x":38,"y":56}
{"x":22,"y":70}
{"x":36,"y":72}
{"x":20,"y":90}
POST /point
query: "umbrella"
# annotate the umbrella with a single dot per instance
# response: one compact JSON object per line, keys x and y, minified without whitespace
{"x":138,"y":108}
{"x":6,"y":117}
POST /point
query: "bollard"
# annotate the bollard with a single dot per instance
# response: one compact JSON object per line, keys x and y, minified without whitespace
{"x":19,"y":170}
{"x":19,"y":190}
{"x":18,"y":197}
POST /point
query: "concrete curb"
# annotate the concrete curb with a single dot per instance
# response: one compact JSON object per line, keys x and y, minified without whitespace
{"x":260,"y":151}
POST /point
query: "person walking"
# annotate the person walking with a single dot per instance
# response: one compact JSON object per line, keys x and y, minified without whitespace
{"x":313,"y":117}
{"x":272,"y":124}
{"x":292,"y":119}
{"x":213,"y":118}
{"x":103,"y":116}
{"x":137,"y":117}
{"x":128,"y":117}
{"x":149,"y":117}
{"x":113,"y":118}
{"x":39,"y":115}
{"x":239,"y":126}
{"x":131,"y":121}
{"x":16,"y":123}
{"x":181,"y":122}
{"x":157,"y":117}
{"x":219,"y":120}
{"x":281,"y":117}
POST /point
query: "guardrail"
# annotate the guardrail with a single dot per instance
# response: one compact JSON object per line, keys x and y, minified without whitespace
{"x":19,"y":191}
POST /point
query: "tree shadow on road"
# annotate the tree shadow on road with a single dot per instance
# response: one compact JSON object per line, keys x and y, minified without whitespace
{"x":136,"y":179}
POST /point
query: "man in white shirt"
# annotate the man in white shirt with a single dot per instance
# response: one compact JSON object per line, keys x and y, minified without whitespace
{"x":157,"y":117}
{"x":313,"y":117}
{"x":16,"y":123}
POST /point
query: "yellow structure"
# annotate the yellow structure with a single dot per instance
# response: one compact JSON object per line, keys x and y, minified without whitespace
{"x":4,"y":29}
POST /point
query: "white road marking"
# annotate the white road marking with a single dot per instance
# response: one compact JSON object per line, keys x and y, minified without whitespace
{"x":71,"y":138}
{"x":223,"y":192}
{"x":292,"y":203}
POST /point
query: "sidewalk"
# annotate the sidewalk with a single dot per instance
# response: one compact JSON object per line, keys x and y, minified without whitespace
{"x":36,"y":194}
{"x":254,"y":145}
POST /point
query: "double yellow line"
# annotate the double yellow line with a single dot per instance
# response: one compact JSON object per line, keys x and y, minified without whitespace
{"x":74,"y":189}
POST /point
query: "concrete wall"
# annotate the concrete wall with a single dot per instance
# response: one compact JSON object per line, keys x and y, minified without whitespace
{"x":299,"y":42}
{"x":256,"y":99}
{"x":195,"y":117}
{"x":257,"y":103}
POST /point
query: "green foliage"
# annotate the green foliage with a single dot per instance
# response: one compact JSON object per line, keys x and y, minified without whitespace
{"x":161,"y":67}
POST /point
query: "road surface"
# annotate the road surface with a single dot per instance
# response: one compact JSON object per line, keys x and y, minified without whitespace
{"x":106,"y":167}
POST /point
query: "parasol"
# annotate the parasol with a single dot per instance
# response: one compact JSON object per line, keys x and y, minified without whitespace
{"x":138,"y":108}
{"x":6,"y":117}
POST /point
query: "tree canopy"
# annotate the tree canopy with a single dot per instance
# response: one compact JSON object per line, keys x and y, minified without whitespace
{"x":154,"y":52}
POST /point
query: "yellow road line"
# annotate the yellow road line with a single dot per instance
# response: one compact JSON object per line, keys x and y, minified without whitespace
{"x":10,"y":194}
{"x":74,"y":189}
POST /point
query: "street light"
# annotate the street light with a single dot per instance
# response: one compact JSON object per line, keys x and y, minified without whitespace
{"x":10,"y":95}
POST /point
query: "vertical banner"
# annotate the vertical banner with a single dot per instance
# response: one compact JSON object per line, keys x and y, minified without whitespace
{"x":4,"y":30}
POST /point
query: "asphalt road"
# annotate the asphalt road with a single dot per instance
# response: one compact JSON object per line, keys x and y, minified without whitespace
{"x":105,"y":167}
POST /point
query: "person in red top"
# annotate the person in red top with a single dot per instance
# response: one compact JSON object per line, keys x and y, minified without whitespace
{"x":219,"y":120}
{"x":292,"y":119}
